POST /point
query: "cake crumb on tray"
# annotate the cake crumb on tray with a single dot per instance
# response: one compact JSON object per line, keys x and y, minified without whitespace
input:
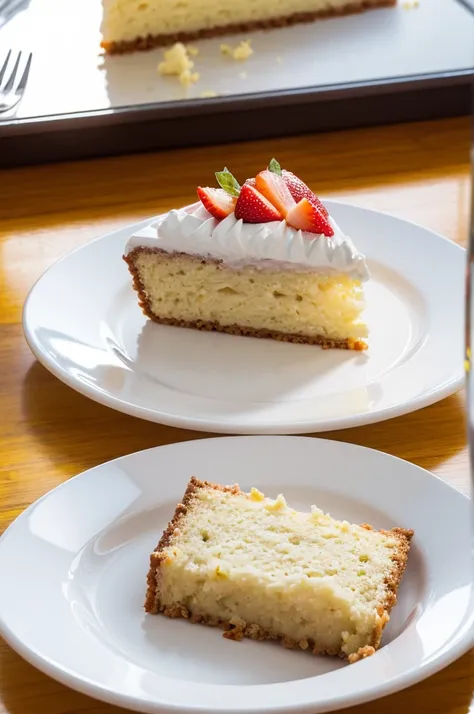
{"x":240,"y":53}
{"x":178,"y":63}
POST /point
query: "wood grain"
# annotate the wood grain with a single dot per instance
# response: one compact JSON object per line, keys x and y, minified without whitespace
{"x":49,"y":432}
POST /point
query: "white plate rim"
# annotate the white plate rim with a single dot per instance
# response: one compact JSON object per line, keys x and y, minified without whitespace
{"x":102,"y":693}
{"x":450,"y":387}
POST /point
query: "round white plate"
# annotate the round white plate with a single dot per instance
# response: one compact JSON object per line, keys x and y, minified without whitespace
{"x":83,"y":323}
{"x":74,"y":569}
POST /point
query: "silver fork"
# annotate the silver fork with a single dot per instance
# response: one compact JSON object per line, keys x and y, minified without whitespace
{"x":11,"y":90}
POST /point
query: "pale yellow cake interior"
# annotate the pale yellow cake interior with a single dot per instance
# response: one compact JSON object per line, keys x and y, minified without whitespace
{"x":185,"y":288}
{"x":125,"y":20}
{"x":306,"y":576}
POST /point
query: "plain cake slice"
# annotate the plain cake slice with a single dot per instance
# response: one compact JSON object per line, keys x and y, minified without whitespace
{"x":129,"y":25}
{"x":258,"y":568}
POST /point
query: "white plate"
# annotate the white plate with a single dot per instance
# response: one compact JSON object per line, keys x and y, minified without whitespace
{"x":83,"y":323}
{"x":74,"y":571}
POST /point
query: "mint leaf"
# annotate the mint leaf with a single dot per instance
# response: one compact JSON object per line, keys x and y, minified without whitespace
{"x":274,"y":167}
{"x":228,"y":182}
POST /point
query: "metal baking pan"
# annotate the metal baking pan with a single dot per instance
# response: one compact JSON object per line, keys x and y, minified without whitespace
{"x":382,"y":66}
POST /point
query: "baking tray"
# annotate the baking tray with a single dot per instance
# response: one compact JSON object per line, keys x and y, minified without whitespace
{"x":387,"y":65}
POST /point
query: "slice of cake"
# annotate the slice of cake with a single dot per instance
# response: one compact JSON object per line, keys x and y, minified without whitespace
{"x":139,"y":24}
{"x":259,"y":569}
{"x":264,"y":259}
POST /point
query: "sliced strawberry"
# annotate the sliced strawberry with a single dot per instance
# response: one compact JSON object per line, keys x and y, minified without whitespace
{"x":299,"y":190}
{"x":305,"y":216}
{"x":217,"y":201}
{"x":252,"y":207}
{"x":273,"y":187}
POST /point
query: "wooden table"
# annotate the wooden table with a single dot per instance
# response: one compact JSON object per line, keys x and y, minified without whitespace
{"x":49,"y":432}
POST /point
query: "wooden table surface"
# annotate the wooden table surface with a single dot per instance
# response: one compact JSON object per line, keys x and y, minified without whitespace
{"x":48,"y":432}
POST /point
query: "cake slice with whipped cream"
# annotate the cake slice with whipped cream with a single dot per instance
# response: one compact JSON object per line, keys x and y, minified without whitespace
{"x":262,"y":259}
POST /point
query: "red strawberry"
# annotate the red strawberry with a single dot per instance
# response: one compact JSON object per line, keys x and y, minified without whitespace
{"x":305,"y":216}
{"x":299,"y":190}
{"x":252,"y":207}
{"x":273,"y":187}
{"x":217,"y":201}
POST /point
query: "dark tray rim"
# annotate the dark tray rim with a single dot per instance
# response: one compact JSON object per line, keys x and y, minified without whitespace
{"x":241,"y":102}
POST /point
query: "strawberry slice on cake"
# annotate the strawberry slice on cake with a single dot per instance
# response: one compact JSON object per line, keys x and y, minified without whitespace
{"x":261,"y":259}
{"x":253,"y":207}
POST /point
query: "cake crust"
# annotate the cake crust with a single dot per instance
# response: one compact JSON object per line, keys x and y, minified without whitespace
{"x":150,"y":41}
{"x":181,"y":510}
{"x":357,"y":345}
{"x":238,"y":630}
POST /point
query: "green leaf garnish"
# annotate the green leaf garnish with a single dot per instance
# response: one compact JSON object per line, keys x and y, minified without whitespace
{"x":274,"y":167}
{"x":228,"y":182}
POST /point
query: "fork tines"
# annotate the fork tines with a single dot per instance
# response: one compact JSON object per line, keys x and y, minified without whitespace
{"x":12,"y":88}
{"x":10,"y":84}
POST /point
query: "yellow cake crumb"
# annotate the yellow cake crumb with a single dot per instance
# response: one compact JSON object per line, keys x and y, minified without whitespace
{"x":241,"y":52}
{"x":208,"y":93}
{"x":256,"y":495}
{"x":187,"y":77}
{"x":177,"y":62}
{"x":193,"y":51}
{"x":410,"y":4}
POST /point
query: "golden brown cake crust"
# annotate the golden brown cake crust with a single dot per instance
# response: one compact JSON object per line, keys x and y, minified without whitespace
{"x":238,"y":630}
{"x":326,"y":343}
{"x":146,"y":43}
{"x":392,"y":583}
{"x":181,"y":510}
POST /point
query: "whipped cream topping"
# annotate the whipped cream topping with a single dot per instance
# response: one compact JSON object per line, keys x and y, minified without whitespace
{"x":193,"y":230}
